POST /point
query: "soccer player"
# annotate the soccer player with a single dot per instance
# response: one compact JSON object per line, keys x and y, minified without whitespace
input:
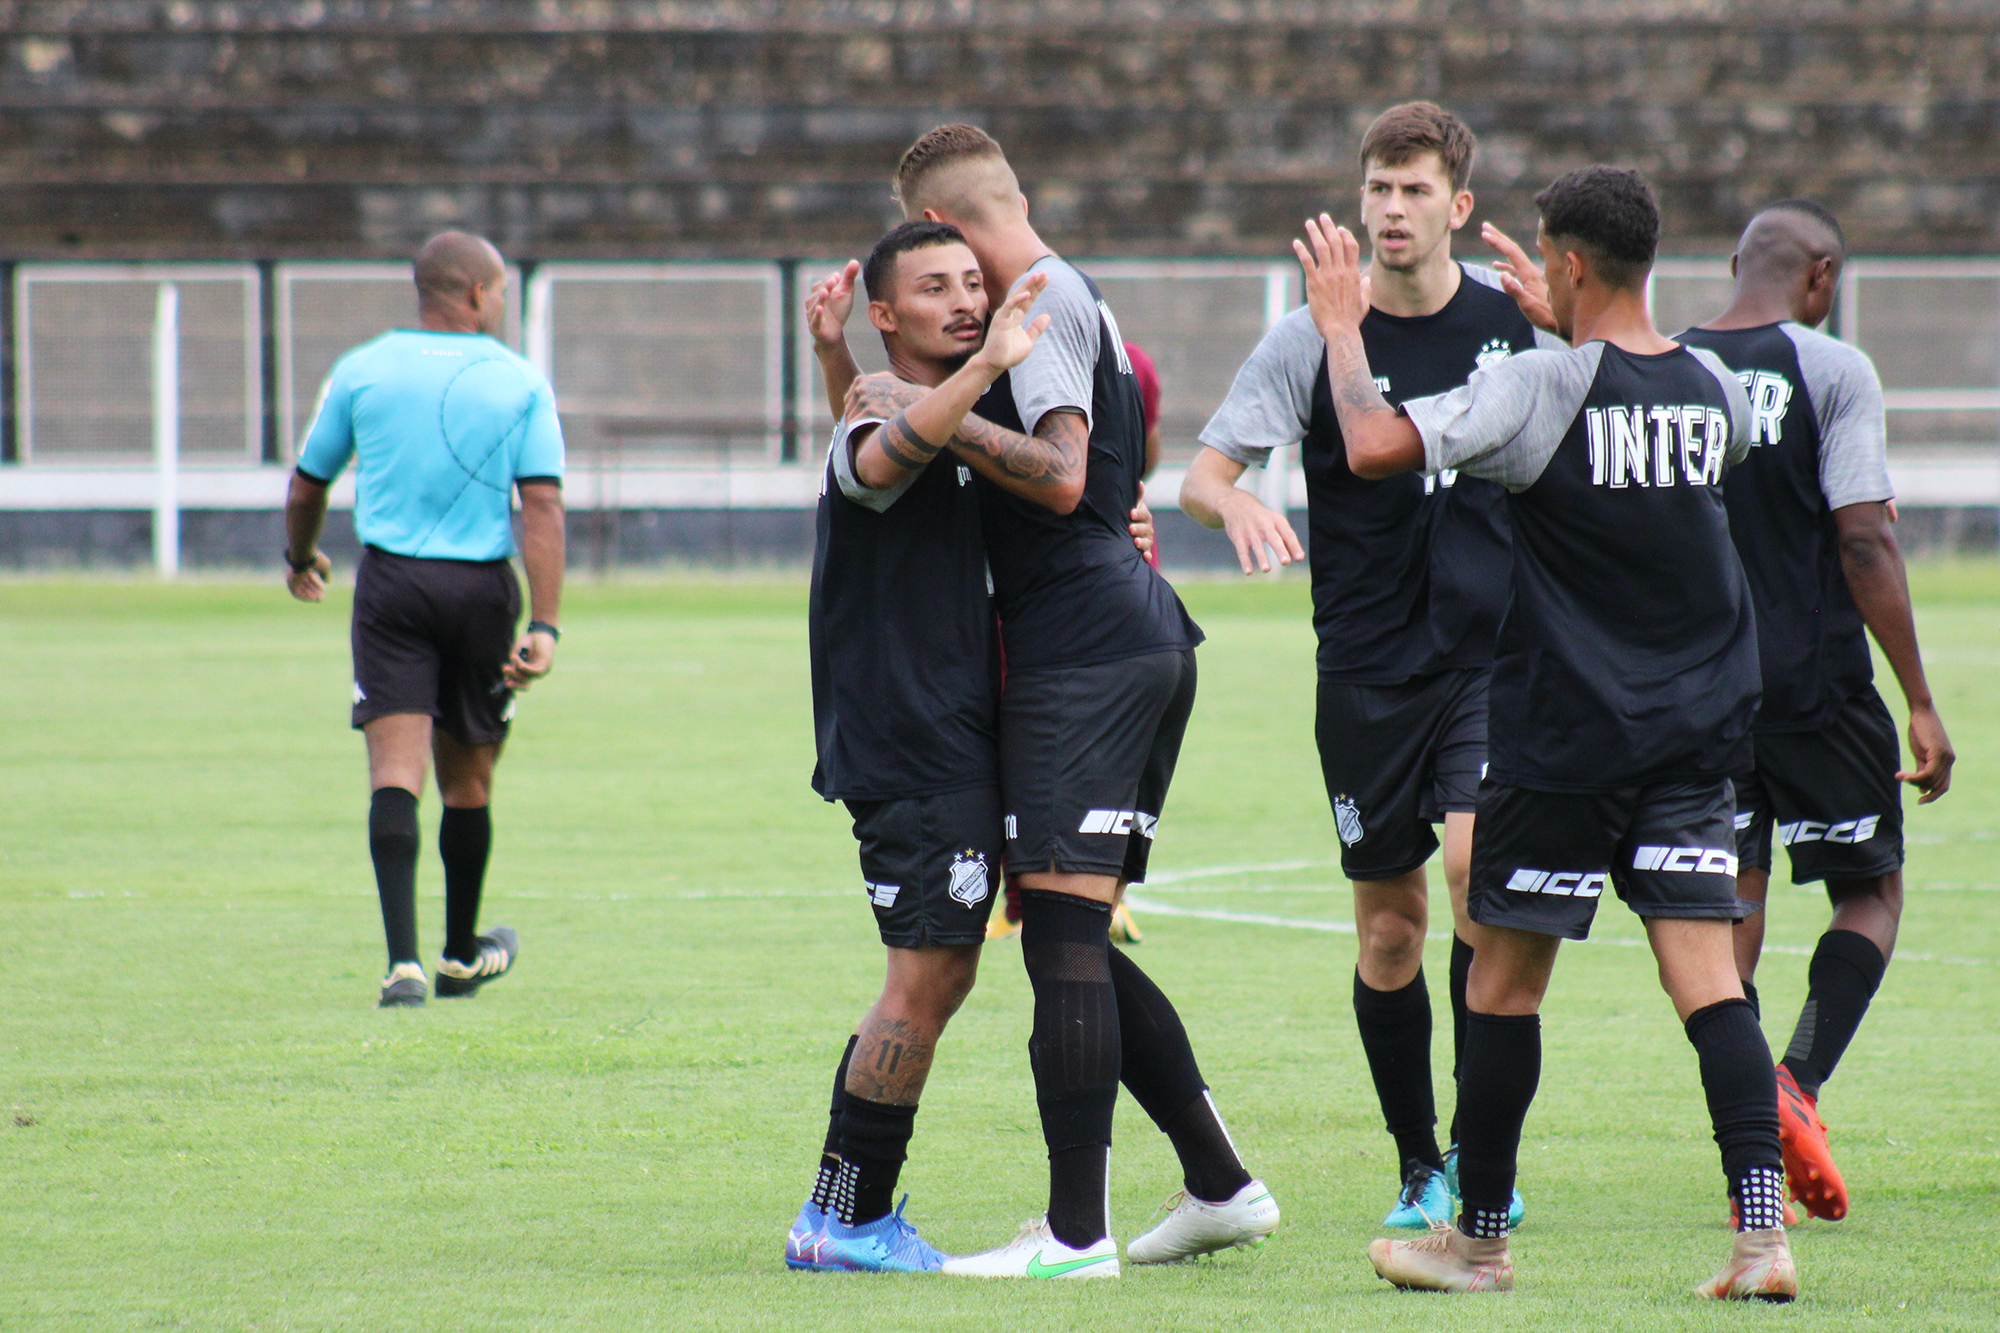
{"x":904,"y":673}
{"x":1409,"y":578}
{"x":1623,"y":689}
{"x":1100,"y":682}
{"x":444,"y":421}
{"x":1809,"y":513}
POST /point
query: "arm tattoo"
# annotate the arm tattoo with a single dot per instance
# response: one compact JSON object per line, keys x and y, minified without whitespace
{"x":1354,"y":390}
{"x":904,"y":447}
{"x":1058,"y":451}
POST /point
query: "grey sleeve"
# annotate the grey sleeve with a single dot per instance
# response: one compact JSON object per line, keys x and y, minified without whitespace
{"x":1270,"y":404}
{"x":1505,"y":422}
{"x":1846,"y":396}
{"x":1548,"y":342}
{"x":1738,"y":401}
{"x":850,"y":481}
{"x":1061,"y":370}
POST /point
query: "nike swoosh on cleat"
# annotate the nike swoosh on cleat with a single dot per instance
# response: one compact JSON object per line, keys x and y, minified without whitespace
{"x":1036,"y":1268}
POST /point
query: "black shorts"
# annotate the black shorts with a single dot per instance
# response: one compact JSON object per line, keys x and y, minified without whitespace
{"x":1831,"y":795}
{"x":1086,"y":756}
{"x":1397,"y":759}
{"x":929,"y":865}
{"x":430,"y":636}
{"x":1541,"y":860}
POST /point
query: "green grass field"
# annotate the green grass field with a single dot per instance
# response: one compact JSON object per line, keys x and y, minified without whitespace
{"x":209,"y":1126}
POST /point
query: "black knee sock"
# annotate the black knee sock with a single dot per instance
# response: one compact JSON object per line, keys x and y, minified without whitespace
{"x":1846,"y":968}
{"x":874,"y":1141}
{"x":829,"y":1153}
{"x":1396,"y":1035}
{"x":1160,"y":1072}
{"x":1742,"y":1090}
{"x":1075,"y":1051}
{"x":1750,"y":994}
{"x":465,"y":838}
{"x":1461,"y":969}
{"x":1502,"y":1067}
{"x":392,"y":843}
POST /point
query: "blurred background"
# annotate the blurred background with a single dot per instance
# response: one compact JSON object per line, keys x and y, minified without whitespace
{"x":206,"y":203}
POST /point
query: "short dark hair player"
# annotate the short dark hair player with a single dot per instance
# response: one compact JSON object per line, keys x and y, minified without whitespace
{"x":1624,"y":684}
{"x":1409,"y":579}
{"x":1809,"y":511}
{"x":444,"y":422}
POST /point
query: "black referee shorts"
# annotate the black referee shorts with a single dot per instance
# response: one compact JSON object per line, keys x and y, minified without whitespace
{"x":430,"y":636}
{"x":1830,"y":795}
{"x":1086,"y":756}
{"x":1541,"y":860}
{"x":1397,"y":759}
{"x":929,"y":865}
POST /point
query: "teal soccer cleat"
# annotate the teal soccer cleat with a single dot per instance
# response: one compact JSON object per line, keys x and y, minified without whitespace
{"x":886,"y":1245}
{"x":1424,"y":1200}
{"x":806,"y":1238}
{"x":1516,"y":1210}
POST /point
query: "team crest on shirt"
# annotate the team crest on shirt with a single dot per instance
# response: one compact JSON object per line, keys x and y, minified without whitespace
{"x":1495,"y":351}
{"x":969,"y":880}
{"x":1346,"y":819}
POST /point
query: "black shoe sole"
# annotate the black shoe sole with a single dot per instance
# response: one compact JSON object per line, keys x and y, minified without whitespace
{"x":392,"y":998}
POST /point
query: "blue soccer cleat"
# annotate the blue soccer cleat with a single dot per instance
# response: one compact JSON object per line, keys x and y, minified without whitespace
{"x":806,"y":1238}
{"x":886,"y":1245}
{"x":1423,"y":1202}
{"x":1516,"y":1210}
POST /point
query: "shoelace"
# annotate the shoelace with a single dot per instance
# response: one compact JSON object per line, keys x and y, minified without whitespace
{"x":1439,"y":1241}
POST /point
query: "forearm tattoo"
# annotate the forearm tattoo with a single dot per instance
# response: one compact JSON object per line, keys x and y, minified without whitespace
{"x":1355,"y":394}
{"x":1058,"y":451}
{"x":903,"y":446}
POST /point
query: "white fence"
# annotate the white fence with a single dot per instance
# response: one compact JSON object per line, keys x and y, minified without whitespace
{"x":692,"y":385}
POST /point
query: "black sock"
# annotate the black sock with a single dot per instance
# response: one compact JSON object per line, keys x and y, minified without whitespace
{"x":874,"y":1141}
{"x":1742,"y":1091}
{"x":1846,"y":968}
{"x":1396,"y":1035}
{"x":1502,"y":1067}
{"x":1160,"y":1072}
{"x":465,"y":838}
{"x":829,"y":1153}
{"x":1461,"y":969}
{"x":1750,"y":994}
{"x":392,"y":843}
{"x":1075,"y":1051}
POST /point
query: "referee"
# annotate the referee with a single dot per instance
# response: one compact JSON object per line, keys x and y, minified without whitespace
{"x":444,"y":420}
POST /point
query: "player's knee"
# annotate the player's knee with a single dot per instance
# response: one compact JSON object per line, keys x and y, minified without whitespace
{"x":1392,"y":940}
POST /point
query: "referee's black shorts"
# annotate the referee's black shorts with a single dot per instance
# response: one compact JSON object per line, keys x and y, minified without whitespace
{"x":1541,"y":860}
{"x":431,"y":637}
{"x":1830,"y":795}
{"x":1086,"y":756}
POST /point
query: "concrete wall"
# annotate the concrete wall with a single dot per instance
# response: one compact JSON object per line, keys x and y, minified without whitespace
{"x":756,"y":127}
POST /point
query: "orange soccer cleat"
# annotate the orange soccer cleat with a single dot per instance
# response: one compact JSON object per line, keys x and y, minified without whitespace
{"x":1809,"y":1167}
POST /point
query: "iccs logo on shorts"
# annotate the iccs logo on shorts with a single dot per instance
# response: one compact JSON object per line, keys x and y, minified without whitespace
{"x":969,"y":880}
{"x":360,"y":695}
{"x":1560,"y":883}
{"x":882,"y":895}
{"x":1346,"y":820}
{"x":1812,"y":830}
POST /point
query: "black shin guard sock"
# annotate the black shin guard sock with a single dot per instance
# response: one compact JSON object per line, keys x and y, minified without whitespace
{"x":1845,"y":971}
{"x":1396,"y":1035}
{"x":465,"y":840}
{"x":829,"y":1153}
{"x":392,"y":844}
{"x":1497,"y":1080}
{"x":874,"y":1141}
{"x":1079,"y":1212}
{"x":1742,"y":1091}
{"x":1075,"y":1051}
{"x":1461,"y":969}
{"x":1160,"y":1072}
{"x":1750,"y":994}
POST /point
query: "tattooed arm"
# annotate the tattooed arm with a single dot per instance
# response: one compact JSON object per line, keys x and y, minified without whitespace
{"x":919,"y":430}
{"x":1046,"y":468}
{"x":1380,"y":440}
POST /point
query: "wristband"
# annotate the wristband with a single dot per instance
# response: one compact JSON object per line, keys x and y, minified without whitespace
{"x":544,"y":627}
{"x":296,"y":567}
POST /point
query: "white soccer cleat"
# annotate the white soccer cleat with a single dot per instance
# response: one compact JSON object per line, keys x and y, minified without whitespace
{"x":1037,"y":1253}
{"x":1193,"y":1226}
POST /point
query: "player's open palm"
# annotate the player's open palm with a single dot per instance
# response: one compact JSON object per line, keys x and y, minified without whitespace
{"x":1011,"y":336}
{"x":1522,"y":278}
{"x":1331,"y":258}
{"x":831,"y":302}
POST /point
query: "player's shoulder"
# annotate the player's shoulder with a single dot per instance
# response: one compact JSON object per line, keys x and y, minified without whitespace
{"x":1824,"y":354}
{"x":1068,"y":290}
{"x":1486,"y":284}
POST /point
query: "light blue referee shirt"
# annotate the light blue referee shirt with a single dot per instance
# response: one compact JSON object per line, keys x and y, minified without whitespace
{"x":445,"y":424}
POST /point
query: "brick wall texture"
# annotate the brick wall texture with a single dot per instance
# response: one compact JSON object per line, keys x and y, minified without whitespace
{"x":671,"y":128}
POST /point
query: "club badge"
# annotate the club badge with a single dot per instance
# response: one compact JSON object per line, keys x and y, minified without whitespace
{"x":1346,"y":820}
{"x":969,"y":878}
